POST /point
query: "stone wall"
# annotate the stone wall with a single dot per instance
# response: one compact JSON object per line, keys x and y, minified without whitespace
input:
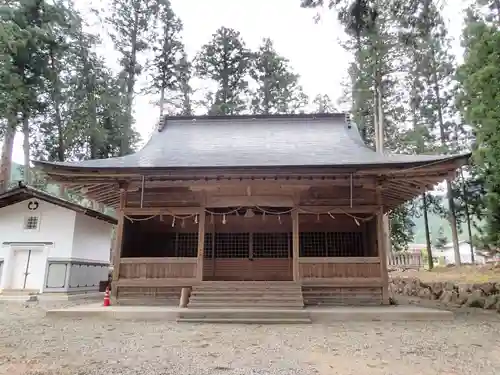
{"x":483,"y":295}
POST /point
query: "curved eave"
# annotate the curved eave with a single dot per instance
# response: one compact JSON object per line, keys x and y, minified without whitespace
{"x":56,"y":169}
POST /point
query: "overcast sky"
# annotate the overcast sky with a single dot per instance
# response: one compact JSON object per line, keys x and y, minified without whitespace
{"x":312,"y":47}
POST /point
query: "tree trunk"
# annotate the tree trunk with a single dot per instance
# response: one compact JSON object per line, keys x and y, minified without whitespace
{"x":125,"y":141}
{"x":6,"y":157}
{"x":428,"y":242}
{"x":56,"y":99}
{"x":452,"y":215}
{"x":162,"y":102}
{"x":26,"y":149}
{"x":453,"y":223}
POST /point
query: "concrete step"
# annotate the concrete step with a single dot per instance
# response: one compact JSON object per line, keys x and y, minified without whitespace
{"x":20,"y":292}
{"x":148,"y":301}
{"x":248,"y":313}
{"x":245,"y":320}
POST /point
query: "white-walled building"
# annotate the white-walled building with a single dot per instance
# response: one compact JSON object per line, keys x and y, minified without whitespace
{"x":446,"y":255}
{"x":48,"y":244}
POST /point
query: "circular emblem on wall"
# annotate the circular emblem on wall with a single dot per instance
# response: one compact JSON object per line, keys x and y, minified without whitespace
{"x":33,"y":205}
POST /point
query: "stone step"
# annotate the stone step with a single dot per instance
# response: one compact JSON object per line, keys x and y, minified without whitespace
{"x":253,"y":313}
{"x":148,"y":301}
{"x":245,"y":320}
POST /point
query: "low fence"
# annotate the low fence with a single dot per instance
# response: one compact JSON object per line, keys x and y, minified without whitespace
{"x":405,"y":260}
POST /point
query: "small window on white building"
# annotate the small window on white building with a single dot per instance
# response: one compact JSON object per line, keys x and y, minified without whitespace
{"x":31,"y":222}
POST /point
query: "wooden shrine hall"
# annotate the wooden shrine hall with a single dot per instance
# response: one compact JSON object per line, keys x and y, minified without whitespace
{"x":290,"y":202}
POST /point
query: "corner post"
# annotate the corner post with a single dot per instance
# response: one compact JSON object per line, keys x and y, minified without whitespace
{"x":117,"y":251}
{"x":382,"y":246}
{"x":295,"y":245}
{"x":201,"y":245}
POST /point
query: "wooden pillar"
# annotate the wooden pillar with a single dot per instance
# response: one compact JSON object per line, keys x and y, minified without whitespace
{"x":201,"y":245}
{"x":382,"y":248}
{"x":295,"y":245}
{"x":117,"y":250}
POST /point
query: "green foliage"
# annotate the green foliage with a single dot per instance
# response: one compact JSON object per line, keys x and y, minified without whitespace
{"x":132,"y":35}
{"x":374,"y":42}
{"x":278,"y":88}
{"x":226,"y":61}
{"x":402,"y":227}
{"x":323,"y":104}
{"x":479,"y":106}
{"x":167,"y":69}
{"x":74,"y":105}
{"x":441,"y":239}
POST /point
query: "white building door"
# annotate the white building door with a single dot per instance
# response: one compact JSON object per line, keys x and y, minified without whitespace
{"x":26,"y":269}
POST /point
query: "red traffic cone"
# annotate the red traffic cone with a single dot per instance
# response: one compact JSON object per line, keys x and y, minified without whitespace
{"x":106,"y":297}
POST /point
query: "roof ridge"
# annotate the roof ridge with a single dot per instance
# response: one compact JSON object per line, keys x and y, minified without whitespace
{"x":164,"y":121}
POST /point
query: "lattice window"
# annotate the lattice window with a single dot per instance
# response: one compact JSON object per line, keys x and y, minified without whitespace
{"x":331,"y":244}
{"x":271,"y":245}
{"x":169,"y":243}
{"x":180,"y":244}
{"x":208,"y":245}
{"x":187,"y":245}
{"x":232,"y":245}
{"x":312,"y":244}
{"x":344,"y":244}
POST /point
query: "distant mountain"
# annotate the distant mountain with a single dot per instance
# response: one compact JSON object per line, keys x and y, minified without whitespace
{"x":435,"y":222}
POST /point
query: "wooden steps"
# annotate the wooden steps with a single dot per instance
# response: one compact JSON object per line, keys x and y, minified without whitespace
{"x":246,"y":302}
{"x":246,"y":294}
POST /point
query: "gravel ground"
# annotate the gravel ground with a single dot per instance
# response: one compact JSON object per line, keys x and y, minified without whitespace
{"x":32,"y":344}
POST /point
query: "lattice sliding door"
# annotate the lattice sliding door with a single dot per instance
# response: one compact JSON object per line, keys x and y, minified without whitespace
{"x":332,"y":244}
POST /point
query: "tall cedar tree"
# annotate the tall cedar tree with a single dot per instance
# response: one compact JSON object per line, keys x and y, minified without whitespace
{"x":436,"y":70}
{"x":185,"y":91}
{"x":26,"y":37}
{"x":226,"y":61}
{"x":479,"y":106}
{"x":132,"y":33}
{"x":373,"y":39}
{"x":278,"y":87}
{"x":168,"y":52}
{"x":323,"y":104}
{"x":422,"y":24}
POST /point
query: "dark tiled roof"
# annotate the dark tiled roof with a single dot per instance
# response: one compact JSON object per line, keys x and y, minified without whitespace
{"x":255,"y":141}
{"x":23,"y":193}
